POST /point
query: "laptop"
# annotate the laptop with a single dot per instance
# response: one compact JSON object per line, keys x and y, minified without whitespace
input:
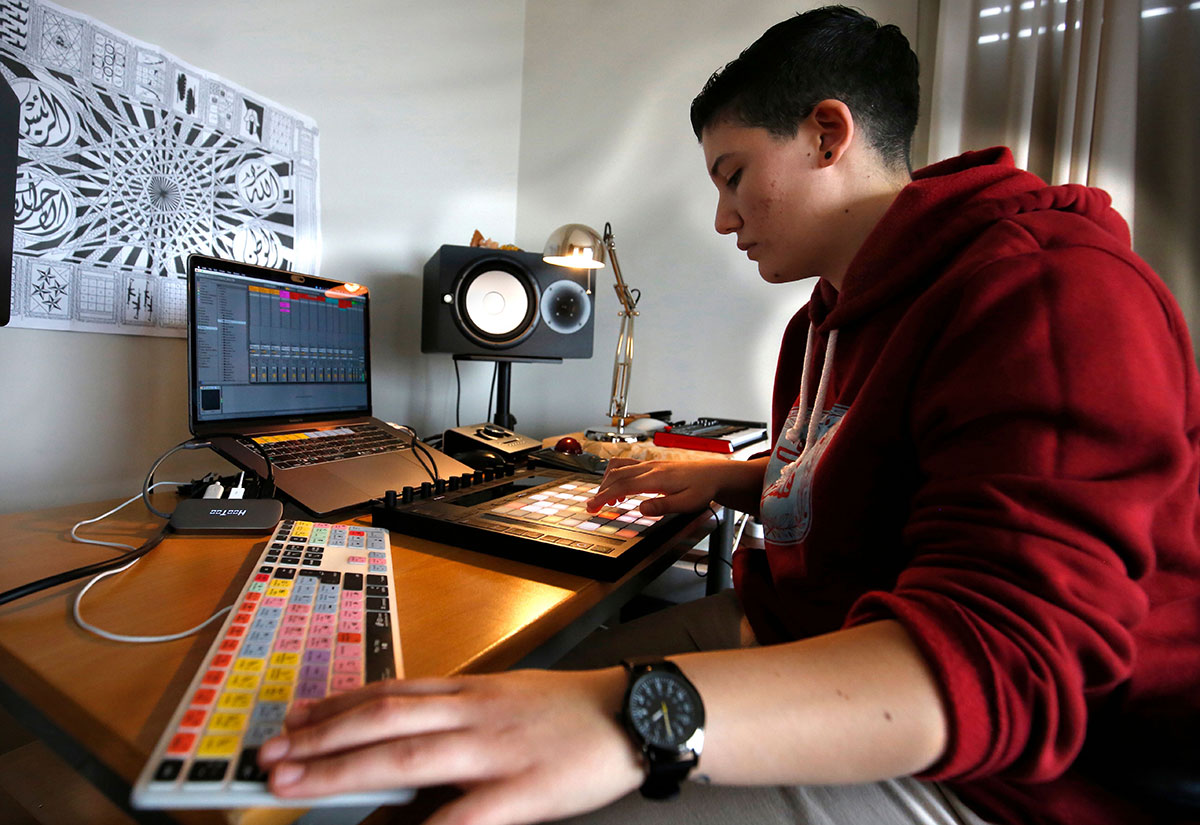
{"x":280,"y":362}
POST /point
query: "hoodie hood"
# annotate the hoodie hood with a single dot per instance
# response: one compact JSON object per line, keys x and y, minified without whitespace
{"x":962,"y":197}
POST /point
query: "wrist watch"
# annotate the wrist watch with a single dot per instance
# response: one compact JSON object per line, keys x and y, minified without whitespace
{"x":665,"y":718}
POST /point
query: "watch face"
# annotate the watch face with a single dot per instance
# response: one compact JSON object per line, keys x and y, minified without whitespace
{"x":664,"y":709}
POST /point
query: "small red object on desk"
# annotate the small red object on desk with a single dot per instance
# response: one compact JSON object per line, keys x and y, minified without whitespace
{"x":568,"y":445}
{"x":713,"y":435}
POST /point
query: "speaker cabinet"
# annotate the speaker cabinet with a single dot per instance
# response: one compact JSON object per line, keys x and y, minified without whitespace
{"x":9,"y":110}
{"x":494,"y":302}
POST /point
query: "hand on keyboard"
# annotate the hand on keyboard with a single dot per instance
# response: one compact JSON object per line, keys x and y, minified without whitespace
{"x":535,"y":745}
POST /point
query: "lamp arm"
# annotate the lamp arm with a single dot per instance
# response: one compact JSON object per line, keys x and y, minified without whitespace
{"x":618,"y":406}
{"x":624,"y":295}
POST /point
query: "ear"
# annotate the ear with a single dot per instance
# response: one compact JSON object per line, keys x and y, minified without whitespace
{"x":834,"y":127}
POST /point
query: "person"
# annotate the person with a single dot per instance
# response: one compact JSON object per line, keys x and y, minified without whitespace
{"x":980,"y":511}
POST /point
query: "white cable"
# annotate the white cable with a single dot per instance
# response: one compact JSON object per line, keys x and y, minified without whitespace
{"x":117,"y":637}
{"x":82,"y":540}
{"x":741,"y":529}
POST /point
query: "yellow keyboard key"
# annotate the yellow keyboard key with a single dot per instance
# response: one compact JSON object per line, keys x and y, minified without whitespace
{"x":281,"y":674}
{"x":227,"y":722}
{"x":243,"y":681}
{"x":236,"y":701}
{"x":218,"y":745}
{"x":275,"y":693}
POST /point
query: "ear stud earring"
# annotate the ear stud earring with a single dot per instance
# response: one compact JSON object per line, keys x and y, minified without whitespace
{"x":828,"y":155}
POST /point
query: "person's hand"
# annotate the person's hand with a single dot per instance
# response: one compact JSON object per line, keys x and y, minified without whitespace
{"x":524,"y":745}
{"x":685,"y":486}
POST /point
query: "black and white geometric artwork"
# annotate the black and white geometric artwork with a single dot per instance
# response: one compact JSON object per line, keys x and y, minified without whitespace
{"x":130,"y":160}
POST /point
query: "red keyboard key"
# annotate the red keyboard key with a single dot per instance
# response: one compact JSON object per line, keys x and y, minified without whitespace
{"x":194,"y":718}
{"x":181,"y":744}
{"x":204,"y":696}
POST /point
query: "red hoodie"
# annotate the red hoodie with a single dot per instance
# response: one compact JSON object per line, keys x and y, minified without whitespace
{"x":1006,"y":462}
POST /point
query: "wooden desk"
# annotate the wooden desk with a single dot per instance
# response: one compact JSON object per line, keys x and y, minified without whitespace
{"x":104,"y":704}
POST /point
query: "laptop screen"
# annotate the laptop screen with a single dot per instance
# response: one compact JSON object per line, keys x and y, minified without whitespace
{"x":272,"y":345}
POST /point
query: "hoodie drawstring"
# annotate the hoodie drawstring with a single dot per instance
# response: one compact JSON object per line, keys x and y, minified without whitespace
{"x":806,"y":417}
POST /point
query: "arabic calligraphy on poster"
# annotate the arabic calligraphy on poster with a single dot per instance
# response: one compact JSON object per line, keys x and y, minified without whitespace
{"x":130,"y":161}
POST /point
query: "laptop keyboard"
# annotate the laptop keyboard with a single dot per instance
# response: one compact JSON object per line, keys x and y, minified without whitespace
{"x":288,"y":450}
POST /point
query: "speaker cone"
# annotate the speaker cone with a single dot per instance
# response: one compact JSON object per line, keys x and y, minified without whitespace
{"x":496,"y":304}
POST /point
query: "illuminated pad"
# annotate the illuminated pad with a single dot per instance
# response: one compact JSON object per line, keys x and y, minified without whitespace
{"x":562,"y":507}
{"x":316,"y":617}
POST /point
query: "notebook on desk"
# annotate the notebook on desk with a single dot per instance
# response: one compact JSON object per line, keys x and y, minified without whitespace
{"x":280,"y":362}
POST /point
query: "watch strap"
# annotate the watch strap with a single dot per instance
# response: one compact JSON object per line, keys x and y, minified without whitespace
{"x":663,"y":780}
{"x":636,"y":665}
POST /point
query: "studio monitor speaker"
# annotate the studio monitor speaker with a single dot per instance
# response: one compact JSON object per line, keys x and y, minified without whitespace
{"x":495,"y":302}
{"x":9,"y":110}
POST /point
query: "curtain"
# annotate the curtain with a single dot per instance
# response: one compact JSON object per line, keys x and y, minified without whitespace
{"x":1099,"y":92}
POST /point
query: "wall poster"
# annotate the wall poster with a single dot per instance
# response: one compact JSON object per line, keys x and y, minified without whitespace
{"x":130,"y":160}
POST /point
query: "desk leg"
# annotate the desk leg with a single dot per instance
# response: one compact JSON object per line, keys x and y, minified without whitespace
{"x":720,"y":554}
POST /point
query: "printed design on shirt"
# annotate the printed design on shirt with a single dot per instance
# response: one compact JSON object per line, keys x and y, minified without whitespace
{"x":787,"y":496}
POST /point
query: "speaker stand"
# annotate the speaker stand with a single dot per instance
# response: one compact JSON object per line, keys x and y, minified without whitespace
{"x":503,"y":417}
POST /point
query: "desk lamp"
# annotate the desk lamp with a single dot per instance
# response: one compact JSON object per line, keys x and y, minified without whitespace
{"x":581,"y":247}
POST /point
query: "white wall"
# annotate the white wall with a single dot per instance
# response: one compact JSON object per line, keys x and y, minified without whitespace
{"x":605,"y":136}
{"x":437,"y":119}
{"x":418,"y":106}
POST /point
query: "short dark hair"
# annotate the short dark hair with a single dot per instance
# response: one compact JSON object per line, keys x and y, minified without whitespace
{"x":831,"y":52}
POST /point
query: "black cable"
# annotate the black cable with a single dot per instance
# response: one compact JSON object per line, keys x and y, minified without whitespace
{"x":247,"y":441}
{"x":24,"y":590}
{"x":101,"y":566}
{"x":457,"y":395}
{"x":417,"y":445}
{"x":705,"y":558}
{"x":432,"y":472}
{"x":495,"y":372}
{"x":196,"y":444}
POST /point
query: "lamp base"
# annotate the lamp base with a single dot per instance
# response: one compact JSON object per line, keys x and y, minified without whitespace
{"x":613,"y":433}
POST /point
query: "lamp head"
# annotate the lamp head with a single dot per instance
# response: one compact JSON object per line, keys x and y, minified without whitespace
{"x":576,"y":246}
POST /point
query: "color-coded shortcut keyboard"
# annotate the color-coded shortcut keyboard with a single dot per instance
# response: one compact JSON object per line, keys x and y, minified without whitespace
{"x":316,"y":617}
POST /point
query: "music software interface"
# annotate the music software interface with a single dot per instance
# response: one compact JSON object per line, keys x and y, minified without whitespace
{"x":266,"y":349}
